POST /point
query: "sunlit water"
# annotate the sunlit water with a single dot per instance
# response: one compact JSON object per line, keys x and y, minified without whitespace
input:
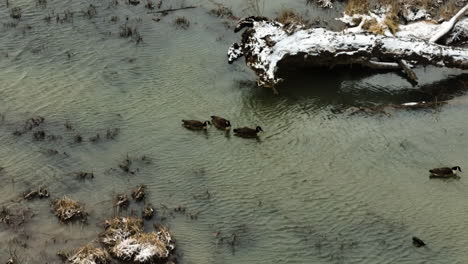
{"x":320,"y":186}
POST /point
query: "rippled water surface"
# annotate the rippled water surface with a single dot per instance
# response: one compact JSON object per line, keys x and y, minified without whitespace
{"x":320,"y":186}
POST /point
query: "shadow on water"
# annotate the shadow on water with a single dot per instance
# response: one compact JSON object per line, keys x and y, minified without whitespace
{"x":345,"y":87}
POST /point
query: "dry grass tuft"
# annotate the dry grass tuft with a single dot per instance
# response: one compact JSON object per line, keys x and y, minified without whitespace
{"x":289,"y":16}
{"x":373,"y":26}
{"x":182,"y":22}
{"x":67,"y":209}
{"x":90,"y":254}
{"x":120,"y":228}
{"x":448,"y":10}
{"x":357,"y":7}
{"x":392,"y":23}
{"x":221,"y":11}
{"x":16,"y":13}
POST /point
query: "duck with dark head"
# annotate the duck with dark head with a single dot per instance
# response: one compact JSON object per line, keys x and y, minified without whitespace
{"x":221,"y":123}
{"x":247,"y":132}
{"x":195,"y":124}
{"x":445,"y":172}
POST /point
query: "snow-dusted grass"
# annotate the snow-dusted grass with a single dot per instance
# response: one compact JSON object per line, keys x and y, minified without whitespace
{"x":126,"y":241}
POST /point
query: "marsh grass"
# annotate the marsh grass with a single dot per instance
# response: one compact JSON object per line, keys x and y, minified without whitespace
{"x":41,"y":3}
{"x":126,"y":31}
{"x":182,"y":22}
{"x":91,"y":11}
{"x":11,"y":24}
{"x":287,"y":16}
{"x":373,"y":26}
{"x":391,"y":21}
{"x":448,"y":10}
{"x":149,"y":5}
{"x":68,"y":210}
{"x":221,"y":11}
{"x":66,"y":18}
{"x":89,"y":254}
{"x":357,"y":7}
{"x":16,"y":13}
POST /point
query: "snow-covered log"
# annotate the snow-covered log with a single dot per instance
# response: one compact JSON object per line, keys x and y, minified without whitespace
{"x":269,"y":46}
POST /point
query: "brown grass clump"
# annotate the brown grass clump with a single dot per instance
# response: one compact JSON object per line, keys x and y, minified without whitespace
{"x":373,"y":26}
{"x":182,"y":22}
{"x":90,"y":254}
{"x":221,"y":11}
{"x":357,"y":7}
{"x":391,"y":20}
{"x":67,"y":209}
{"x":139,"y":193}
{"x":120,"y":228}
{"x":289,"y":16}
{"x":148,"y":212}
{"x":448,"y":10}
{"x":39,"y":193}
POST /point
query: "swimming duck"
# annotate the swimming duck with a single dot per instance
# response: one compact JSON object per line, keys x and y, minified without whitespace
{"x":418,"y":242}
{"x":221,"y":123}
{"x":247,"y":132}
{"x":444,"y":172}
{"x":195,"y":124}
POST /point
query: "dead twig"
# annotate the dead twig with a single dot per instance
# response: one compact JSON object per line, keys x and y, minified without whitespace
{"x":172,"y":9}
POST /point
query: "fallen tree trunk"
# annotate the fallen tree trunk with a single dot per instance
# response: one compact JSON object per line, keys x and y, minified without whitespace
{"x":269,"y":45}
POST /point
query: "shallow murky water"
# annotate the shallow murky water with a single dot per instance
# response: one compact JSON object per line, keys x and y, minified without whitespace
{"x":320,"y":186}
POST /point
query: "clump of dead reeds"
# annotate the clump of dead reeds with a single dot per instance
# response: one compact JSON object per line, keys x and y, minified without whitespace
{"x":66,"y":18}
{"x":11,"y":24}
{"x":121,"y":201}
{"x":289,"y":16}
{"x":127,"y":31}
{"x":448,"y":10}
{"x":39,"y":135}
{"x":391,"y":21}
{"x":373,"y":26}
{"x":139,"y":193}
{"x":221,"y":11}
{"x":82,"y":175}
{"x":149,"y":5}
{"x":356,"y":7}
{"x":125,"y":240}
{"x":68,"y":210}
{"x":33,"y":122}
{"x":40,"y":193}
{"x":148,"y":212}
{"x":41,"y":3}
{"x":16,"y":12}
{"x":90,"y":255}
{"x":91,"y":11}
{"x":120,"y":228}
{"x":182,"y":22}
{"x":112,"y":133}
{"x":78,"y":139}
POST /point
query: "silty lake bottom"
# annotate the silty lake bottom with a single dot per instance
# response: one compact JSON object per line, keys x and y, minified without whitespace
{"x":320,"y":186}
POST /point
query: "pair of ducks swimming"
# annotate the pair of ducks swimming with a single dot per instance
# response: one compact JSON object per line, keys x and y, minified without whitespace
{"x":223,"y":124}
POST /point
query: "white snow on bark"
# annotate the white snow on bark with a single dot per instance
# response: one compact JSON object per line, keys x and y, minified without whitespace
{"x":316,"y":41}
